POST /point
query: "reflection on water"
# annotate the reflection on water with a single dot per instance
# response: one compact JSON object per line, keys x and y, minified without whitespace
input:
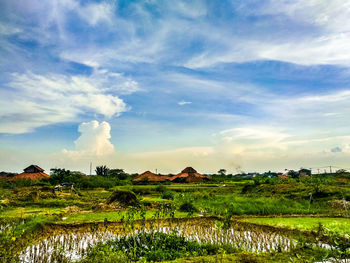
{"x":73,"y":246}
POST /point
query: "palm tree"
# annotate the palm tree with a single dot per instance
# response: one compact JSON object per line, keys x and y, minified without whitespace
{"x":102,"y":170}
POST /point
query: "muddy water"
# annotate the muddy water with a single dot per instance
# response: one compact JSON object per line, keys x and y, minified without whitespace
{"x":60,"y":242}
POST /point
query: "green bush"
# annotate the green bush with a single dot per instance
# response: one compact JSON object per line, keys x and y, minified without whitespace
{"x":154,"y":246}
{"x":168,"y":195}
{"x":188,"y":207}
{"x":161,"y":188}
{"x":104,"y":253}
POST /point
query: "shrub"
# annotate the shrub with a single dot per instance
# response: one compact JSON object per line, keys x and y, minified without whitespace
{"x":161,"y":188}
{"x":104,"y":253}
{"x":150,"y":247}
{"x":188,"y":207}
{"x":124,"y":198}
{"x":168,"y":195}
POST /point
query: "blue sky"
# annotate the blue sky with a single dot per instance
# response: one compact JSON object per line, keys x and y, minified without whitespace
{"x":242,"y":85}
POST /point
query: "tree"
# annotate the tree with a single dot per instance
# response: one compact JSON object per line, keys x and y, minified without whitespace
{"x":222,"y":172}
{"x":293,"y":174}
{"x":59,"y":176}
{"x":102,"y":170}
{"x":117,"y":173}
{"x":341,"y":171}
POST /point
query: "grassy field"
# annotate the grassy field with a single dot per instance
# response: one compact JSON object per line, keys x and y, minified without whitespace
{"x":110,"y":216}
{"x":337,"y":225}
{"x":301,"y":204}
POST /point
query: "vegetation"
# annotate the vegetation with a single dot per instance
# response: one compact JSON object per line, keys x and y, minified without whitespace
{"x":340,"y":226}
{"x":153,"y":247}
{"x":318,"y":205}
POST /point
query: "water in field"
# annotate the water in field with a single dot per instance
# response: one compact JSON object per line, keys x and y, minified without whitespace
{"x":74,"y":245}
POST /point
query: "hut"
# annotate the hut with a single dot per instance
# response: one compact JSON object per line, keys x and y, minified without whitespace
{"x":32,"y":172}
{"x":188,"y":175}
{"x":150,"y":177}
{"x":304,"y":172}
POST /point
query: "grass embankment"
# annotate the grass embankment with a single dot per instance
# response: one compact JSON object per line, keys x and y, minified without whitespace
{"x":27,"y":211}
{"x":305,"y":255}
{"x":110,"y":216}
{"x":338,"y":225}
{"x":245,"y":205}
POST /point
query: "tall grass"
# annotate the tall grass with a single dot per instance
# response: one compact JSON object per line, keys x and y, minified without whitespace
{"x":242,"y":205}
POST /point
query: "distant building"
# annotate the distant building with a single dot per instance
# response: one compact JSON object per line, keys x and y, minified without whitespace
{"x":6,"y":175}
{"x":189,"y":175}
{"x":32,"y":172}
{"x":282,"y":176}
{"x":150,"y":177}
{"x":304,"y":172}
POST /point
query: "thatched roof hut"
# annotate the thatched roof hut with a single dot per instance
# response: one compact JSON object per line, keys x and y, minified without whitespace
{"x":32,"y":172}
{"x":189,"y":175}
{"x":150,"y":177}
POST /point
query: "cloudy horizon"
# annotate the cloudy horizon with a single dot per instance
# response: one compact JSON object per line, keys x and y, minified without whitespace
{"x":144,"y":85}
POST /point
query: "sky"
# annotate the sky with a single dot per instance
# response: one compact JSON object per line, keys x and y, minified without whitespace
{"x":244,"y":85}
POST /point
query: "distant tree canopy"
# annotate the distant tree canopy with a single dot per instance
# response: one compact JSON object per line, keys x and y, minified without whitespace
{"x":222,"y":172}
{"x":117,"y":173}
{"x":102,"y":170}
{"x":59,"y":176}
{"x":341,"y":171}
{"x":293,"y":174}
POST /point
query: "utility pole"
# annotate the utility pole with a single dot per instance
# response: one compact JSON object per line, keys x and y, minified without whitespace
{"x":90,"y":167}
{"x":156,"y":171}
{"x":330,"y":169}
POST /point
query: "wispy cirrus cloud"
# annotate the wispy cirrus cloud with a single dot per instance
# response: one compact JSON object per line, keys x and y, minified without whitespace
{"x":271,"y":75}
{"x":34,"y":100}
{"x":181,"y":103}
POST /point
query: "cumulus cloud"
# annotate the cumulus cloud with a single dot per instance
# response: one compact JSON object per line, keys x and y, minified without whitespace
{"x":93,"y":141}
{"x":35,"y":100}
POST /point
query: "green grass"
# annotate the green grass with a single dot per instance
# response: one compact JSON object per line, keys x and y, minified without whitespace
{"x":338,"y":225}
{"x":154,"y":199}
{"x":24,"y":212}
{"x":110,"y":216}
{"x":306,"y":255}
{"x":246,"y":205}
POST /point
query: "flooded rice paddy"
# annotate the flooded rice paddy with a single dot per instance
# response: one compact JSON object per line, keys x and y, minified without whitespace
{"x":72,"y":243}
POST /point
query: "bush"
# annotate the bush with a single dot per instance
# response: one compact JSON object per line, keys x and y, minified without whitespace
{"x":168,"y":195}
{"x":161,"y":188}
{"x":123,"y":197}
{"x":105,"y":254}
{"x":188,"y":207}
{"x":150,"y":247}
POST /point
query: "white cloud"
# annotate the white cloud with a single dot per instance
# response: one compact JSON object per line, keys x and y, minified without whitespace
{"x":6,"y":29}
{"x":332,"y":15}
{"x":93,"y":141}
{"x":94,"y":13}
{"x":37,"y":100}
{"x":253,"y":140}
{"x":181,"y":103}
{"x":326,"y":41}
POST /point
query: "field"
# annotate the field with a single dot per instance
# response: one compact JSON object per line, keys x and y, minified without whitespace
{"x":336,"y":225}
{"x":252,"y":220}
